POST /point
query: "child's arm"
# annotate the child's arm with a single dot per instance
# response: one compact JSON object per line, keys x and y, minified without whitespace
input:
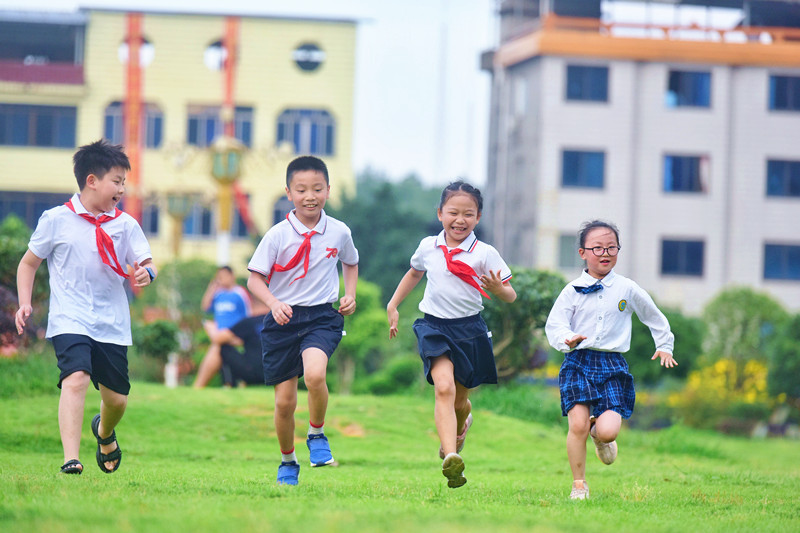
{"x":652,"y":317}
{"x":257,"y":284}
{"x":139,"y":273}
{"x":347,"y":303}
{"x":406,"y":285}
{"x":26,"y":271}
{"x":558,"y":327}
{"x":208,"y":296}
{"x":493,"y":284}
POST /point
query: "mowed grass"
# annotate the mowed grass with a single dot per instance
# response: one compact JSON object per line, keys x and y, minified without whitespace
{"x":206,"y":461}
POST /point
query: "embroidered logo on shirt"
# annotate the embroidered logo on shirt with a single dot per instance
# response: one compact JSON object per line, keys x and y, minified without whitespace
{"x":331,"y":252}
{"x":622,"y":304}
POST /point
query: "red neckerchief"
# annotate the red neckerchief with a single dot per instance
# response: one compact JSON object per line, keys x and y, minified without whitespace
{"x":105,"y":246}
{"x":461,"y":269}
{"x":302,"y":252}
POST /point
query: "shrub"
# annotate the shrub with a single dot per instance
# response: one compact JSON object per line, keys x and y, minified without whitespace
{"x":397,"y":376}
{"x":29,"y":374}
{"x":157,"y":339}
{"x":526,"y":402}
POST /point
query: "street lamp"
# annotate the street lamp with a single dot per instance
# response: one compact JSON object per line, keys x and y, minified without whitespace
{"x":179,"y":204}
{"x":226,"y":159}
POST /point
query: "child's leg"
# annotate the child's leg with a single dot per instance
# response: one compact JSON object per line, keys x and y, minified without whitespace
{"x":70,"y":412}
{"x":209,"y":366}
{"x":607,"y":426}
{"x":112,"y":407}
{"x":285,"y":405}
{"x":315,"y":366}
{"x":578,"y":418}
{"x":444,"y":385}
{"x":462,"y":406}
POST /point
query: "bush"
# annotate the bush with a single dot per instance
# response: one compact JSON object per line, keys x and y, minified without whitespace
{"x":157,"y":339}
{"x":29,"y":374}
{"x":688,"y":333}
{"x":527,"y":402}
{"x":783,"y":351}
{"x":397,"y":376}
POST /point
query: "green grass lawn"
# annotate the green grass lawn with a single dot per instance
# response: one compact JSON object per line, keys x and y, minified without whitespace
{"x":206,"y":461}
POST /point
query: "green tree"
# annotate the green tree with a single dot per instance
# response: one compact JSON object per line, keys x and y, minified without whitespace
{"x":783,"y":349}
{"x":517,"y":328}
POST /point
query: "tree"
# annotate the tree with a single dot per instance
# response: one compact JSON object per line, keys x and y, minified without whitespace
{"x":517,"y":328}
{"x":783,"y":350}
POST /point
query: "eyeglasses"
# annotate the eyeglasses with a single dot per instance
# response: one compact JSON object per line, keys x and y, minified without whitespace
{"x":599,"y":250}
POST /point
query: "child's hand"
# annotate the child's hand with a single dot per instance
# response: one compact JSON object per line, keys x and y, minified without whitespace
{"x":492,"y":282}
{"x":138,"y":275}
{"x":666,"y":359}
{"x":574,"y":341}
{"x":347,"y":305}
{"x":394,"y":317}
{"x":281,"y":312}
{"x":22,"y":314}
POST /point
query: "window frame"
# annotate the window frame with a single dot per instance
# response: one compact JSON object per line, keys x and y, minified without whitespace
{"x":786,"y":178}
{"x":209,"y":125}
{"x":583,"y":166}
{"x":698,"y":180}
{"x":792,"y":93}
{"x":583,"y":77}
{"x":308,"y":130}
{"x":39,"y":126}
{"x":781,"y":258}
{"x":682,"y":267}
{"x":151,"y":125}
{"x":680,"y":93}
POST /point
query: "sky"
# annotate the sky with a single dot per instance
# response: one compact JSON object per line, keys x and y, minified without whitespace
{"x":421,"y":101}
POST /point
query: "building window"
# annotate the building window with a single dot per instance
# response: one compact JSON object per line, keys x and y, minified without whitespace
{"x":568,"y":258}
{"x":685,"y":173}
{"x":582,"y":169}
{"x":689,"y":89}
{"x":198,"y":223}
{"x":783,"y":178}
{"x":150,"y":219}
{"x":151,"y":126}
{"x":282,"y":208}
{"x":238,"y":227}
{"x":781,"y":261}
{"x":682,"y":258}
{"x":204,"y":125}
{"x":587,"y":83}
{"x":784,"y":93}
{"x":29,"y":206}
{"x":37,"y":125}
{"x":311,"y":131}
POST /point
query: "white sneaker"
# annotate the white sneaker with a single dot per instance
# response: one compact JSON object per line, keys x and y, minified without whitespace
{"x":605,"y":451}
{"x":580,"y":490}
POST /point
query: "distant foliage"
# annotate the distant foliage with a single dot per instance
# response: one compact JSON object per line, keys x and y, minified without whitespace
{"x":783,"y":351}
{"x":157,"y":339}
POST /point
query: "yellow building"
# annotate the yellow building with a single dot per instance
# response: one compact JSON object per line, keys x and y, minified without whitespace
{"x":64,"y":81}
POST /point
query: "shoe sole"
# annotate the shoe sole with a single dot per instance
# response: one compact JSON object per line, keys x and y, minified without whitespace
{"x":453,"y":471}
{"x":611,"y":445}
{"x":326,"y":463}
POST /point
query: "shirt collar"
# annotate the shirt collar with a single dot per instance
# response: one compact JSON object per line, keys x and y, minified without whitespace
{"x":300,"y":228}
{"x":467,"y":244}
{"x":80,"y":209}
{"x":588,"y":280}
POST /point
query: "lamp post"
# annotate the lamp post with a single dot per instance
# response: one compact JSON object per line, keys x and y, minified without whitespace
{"x":226,"y":159}
{"x":179,"y":204}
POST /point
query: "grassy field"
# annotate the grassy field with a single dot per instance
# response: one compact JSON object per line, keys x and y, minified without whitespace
{"x":206,"y":461}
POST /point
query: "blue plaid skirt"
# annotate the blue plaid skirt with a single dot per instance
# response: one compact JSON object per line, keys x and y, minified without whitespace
{"x":599,"y":379}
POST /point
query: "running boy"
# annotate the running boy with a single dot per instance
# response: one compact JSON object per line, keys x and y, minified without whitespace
{"x":293,"y":271}
{"x":454,"y":342}
{"x":86,"y":241}
{"x":593,"y":314}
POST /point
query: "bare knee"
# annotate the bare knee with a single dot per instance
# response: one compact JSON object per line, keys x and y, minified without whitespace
{"x":76,"y":382}
{"x":579,"y":427}
{"x":284,"y":407}
{"x":116,"y":402}
{"x":444,"y":389}
{"x":606,"y":433}
{"x":315,"y":380}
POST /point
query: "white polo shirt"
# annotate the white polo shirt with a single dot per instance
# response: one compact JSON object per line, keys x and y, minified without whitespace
{"x":332,"y":243}
{"x":604,"y":317}
{"x":86,"y":296}
{"x":447,"y":295}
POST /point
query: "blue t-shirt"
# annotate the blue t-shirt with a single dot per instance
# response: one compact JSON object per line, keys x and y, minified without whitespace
{"x":230,"y":306}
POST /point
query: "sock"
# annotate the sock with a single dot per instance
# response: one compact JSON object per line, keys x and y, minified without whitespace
{"x":288,"y":457}
{"x":315,"y":430}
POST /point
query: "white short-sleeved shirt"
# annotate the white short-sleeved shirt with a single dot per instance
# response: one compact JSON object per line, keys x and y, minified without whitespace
{"x":86,"y":296}
{"x":332,"y":243}
{"x":447,"y":295}
{"x":604,"y":317}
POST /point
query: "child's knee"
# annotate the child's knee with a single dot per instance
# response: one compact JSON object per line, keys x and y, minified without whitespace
{"x":116,"y":401}
{"x":76,"y":382}
{"x":285,"y":405}
{"x":579,"y":426}
{"x":315,"y":379}
{"x":444,"y":388}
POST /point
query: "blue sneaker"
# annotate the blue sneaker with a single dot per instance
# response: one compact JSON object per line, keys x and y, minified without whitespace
{"x":288,"y":473}
{"x":319,"y":450}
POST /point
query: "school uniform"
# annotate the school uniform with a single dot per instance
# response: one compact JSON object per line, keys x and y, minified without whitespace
{"x":310,"y":287}
{"x":452,"y":322}
{"x":89,"y":319}
{"x":595,"y":372}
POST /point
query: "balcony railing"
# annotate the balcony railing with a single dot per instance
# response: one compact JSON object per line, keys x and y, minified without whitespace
{"x":59,"y":73}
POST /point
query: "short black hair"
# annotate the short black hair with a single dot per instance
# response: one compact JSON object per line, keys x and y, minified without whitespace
{"x":98,"y":158}
{"x":306,"y":162}
{"x":226,"y":268}
{"x":586,"y":227}
{"x":461,"y":186}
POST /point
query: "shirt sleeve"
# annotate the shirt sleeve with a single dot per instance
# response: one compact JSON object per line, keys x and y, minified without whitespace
{"x":417,"y":260}
{"x":264,"y":257}
{"x":41,"y":243}
{"x":348,"y":253}
{"x":138,"y":247}
{"x":645,"y":308}
{"x":558,"y":327}
{"x":494,"y":262}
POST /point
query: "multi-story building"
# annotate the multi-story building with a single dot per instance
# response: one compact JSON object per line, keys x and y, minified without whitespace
{"x":65,"y":80}
{"x":685,"y":134}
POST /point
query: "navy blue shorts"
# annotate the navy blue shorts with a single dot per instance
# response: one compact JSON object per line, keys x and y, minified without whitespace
{"x":598,"y":379}
{"x":106,"y":363}
{"x":467,"y":343}
{"x":318,"y":326}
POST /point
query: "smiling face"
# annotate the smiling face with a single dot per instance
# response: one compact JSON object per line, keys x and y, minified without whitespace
{"x":103,"y":193}
{"x":599,"y":266}
{"x":308,"y":191}
{"x":459,"y":216}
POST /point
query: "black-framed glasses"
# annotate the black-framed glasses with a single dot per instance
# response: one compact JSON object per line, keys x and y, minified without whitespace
{"x":599,"y":250}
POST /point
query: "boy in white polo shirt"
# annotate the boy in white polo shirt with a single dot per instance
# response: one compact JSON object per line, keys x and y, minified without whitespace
{"x":294,"y":272}
{"x":86,"y":242}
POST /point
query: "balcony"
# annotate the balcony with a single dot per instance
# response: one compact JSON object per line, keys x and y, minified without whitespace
{"x":32,"y":71}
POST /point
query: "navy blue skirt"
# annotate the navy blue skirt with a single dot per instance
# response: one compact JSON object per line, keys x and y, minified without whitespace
{"x":599,"y":379}
{"x":465,"y":340}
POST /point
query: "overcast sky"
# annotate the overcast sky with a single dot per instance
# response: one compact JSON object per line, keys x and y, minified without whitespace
{"x":421,"y":102}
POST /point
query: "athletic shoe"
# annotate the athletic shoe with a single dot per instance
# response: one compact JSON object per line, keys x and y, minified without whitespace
{"x":319,"y":450}
{"x":605,"y":451}
{"x":288,"y":473}
{"x":453,"y":470}
{"x":580,"y":490}
{"x":461,"y":438}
